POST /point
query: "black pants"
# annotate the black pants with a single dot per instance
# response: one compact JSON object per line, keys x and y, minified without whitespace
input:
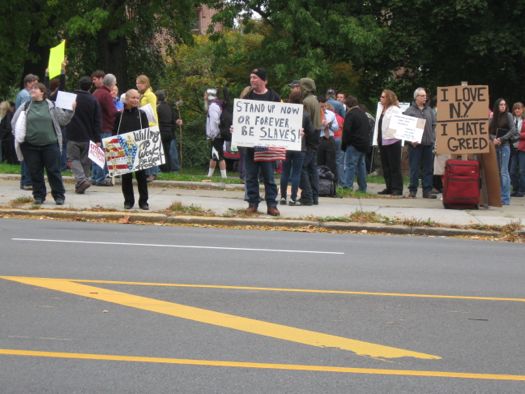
{"x":326,"y":154}
{"x":309,"y":183}
{"x":166,"y":142}
{"x":391,"y":163}
{"x":39,"y":157}
{"x":127,"y":187}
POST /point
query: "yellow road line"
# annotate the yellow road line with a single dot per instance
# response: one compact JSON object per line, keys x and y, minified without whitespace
{"x":314,"y":291}
{"x":252,"y":365}
{"x":252,"y":326}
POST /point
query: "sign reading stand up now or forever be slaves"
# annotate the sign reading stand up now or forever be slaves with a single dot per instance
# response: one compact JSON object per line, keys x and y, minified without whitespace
{"x":267,"y":123}
{"x":462,"y":119}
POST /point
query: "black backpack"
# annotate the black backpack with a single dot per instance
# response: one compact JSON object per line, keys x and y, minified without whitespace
{"x":327,"y":182}
{"x":225,"y":123}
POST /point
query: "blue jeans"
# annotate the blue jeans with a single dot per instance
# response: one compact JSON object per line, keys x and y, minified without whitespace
{"x":521,"y":159}
{"x":514,"y":169}
{"x":152,"y":171}
{"x":39,"y":157}
{"x":174,"y":156}
{"x":503,"y":155}
{"x":25,"y":176}
{"x":252,"y":181}
{"x":293,"y":164}
{"x":339,"y":161}
{"x":355,"y":165}
{"x":418,"y":156}
{"x":98,"y":174}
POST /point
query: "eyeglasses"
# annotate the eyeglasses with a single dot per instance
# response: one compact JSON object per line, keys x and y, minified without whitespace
{"x":421,"y":95}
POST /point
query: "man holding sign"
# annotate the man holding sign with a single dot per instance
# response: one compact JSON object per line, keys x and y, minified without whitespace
{"x":259,"y":91}
{"x":421,"y":154}
{"x":84,"y":127}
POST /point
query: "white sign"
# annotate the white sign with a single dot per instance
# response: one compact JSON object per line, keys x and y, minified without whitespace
{"x":65,"y":100}
{"x":407,"y":128}
{"x":267,"y":123}
{"x":148,"y":109}
{"x":402,"y":107}
{"x":133,"y":151}
{"x":96,"y":154}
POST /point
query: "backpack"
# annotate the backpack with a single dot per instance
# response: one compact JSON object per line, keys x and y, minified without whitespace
{"x":225,"y":124}
{"x":327,"y":182}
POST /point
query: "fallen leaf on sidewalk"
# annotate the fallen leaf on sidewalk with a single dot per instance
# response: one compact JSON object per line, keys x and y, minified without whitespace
{"x":124,"y":220}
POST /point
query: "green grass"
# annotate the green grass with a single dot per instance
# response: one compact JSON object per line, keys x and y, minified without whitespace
{"x":198,"y":174}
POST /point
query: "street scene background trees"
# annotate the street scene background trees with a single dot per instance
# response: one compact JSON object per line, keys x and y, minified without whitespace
{"x":358,"y":47}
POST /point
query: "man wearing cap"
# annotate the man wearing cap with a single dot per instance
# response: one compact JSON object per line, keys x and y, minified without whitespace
{"x":338,"y":106}
{"x":309,"y":177}
{"x":339,"y":110}
{"x":259,"y":91}
{"x":22,"y":97}
{"x":213,"y":133}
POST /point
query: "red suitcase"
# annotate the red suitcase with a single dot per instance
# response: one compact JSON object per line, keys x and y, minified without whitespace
{"x":461,"y":184}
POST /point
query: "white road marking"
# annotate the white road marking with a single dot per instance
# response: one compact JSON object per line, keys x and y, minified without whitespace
{"x":177,"y":246}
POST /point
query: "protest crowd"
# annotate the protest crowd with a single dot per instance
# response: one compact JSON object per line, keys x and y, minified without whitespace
{"x":332,"y":142}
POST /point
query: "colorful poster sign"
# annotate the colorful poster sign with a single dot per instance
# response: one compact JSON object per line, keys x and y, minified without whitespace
{"x":133,"y":151}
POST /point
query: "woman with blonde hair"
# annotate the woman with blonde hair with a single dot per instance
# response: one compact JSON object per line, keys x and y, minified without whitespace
{"x":148,"y":97}
{"x":389,"y":147}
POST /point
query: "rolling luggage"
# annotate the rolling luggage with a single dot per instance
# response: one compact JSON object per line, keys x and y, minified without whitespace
{"x":461,"y":184}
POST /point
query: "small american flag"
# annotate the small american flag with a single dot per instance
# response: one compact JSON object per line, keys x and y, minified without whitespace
{"x":269,"y":153}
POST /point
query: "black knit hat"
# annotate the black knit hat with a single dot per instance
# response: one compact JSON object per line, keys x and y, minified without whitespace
{"x":261,"y":73}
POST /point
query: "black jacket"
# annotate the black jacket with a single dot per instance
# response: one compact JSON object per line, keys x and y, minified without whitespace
{"x":85,"y":124}
{"x":167,"y":117}
{"x":129,"y":121}
{"x":356,"y":130}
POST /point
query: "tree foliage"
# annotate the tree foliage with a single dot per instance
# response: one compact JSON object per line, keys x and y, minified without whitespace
{"x":390,"y":43}
{"x":122,"y":37}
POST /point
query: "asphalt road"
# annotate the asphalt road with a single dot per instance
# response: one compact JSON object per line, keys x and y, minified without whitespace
{"x":92,"y":308}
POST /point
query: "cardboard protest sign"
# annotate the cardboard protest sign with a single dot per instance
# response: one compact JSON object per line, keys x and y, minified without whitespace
{"x":96,"y":154}
{"x":462,"y":119}
{"x":56,"y":58}
{"x":267,"y":123}
{"x":407,"y":128}
{"x":133,"y":151}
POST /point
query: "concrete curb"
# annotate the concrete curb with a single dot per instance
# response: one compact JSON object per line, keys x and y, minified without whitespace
{"x":160,"y":183}
{"x":161,"y":218}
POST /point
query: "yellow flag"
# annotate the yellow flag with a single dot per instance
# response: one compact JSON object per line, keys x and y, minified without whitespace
{"x":56,"y":58}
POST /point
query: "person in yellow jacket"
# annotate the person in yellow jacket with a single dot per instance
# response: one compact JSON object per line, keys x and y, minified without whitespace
{"x":148,"y":97}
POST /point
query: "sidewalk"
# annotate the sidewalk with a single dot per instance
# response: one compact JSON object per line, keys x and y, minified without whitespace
{"x":228,"y":200}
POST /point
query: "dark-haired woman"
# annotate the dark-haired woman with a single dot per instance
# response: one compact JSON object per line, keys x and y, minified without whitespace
{"x":502,"y":131}
{"x":40,"y":142}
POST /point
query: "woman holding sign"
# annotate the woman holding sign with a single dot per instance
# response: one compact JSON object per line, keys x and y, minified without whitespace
{"x":131,"y":119}
{"x":389,"y":147}
{"x":502,"y":131}
{"x":38,"y":140}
